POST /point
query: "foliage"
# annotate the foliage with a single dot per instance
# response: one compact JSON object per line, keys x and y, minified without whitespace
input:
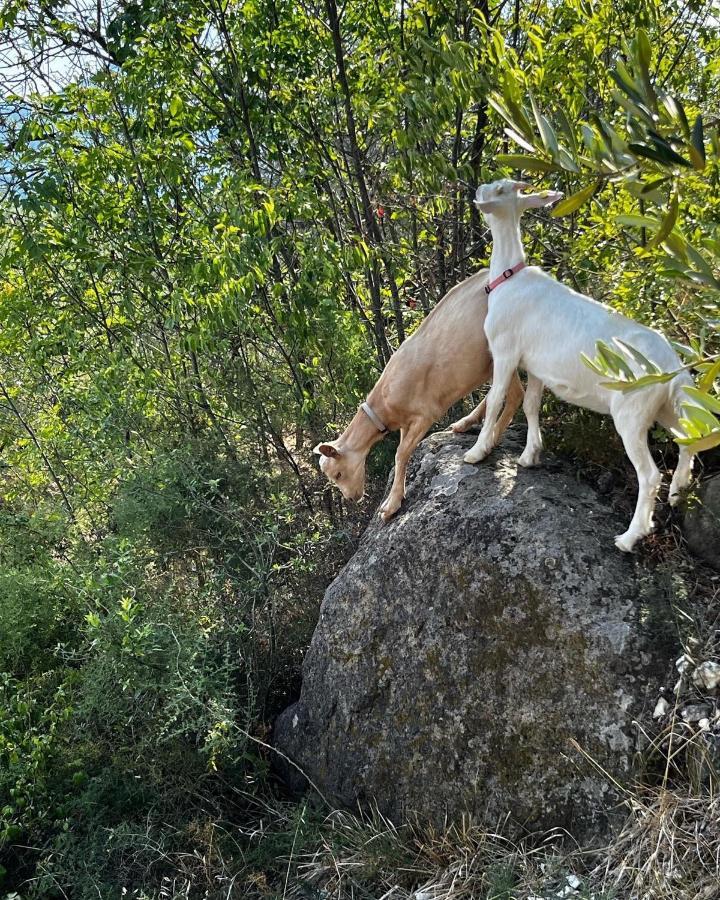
{"x":644,"y":144}
{"x":217,"y":220}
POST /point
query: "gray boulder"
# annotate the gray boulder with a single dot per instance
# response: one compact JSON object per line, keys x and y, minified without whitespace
{"x":702,"y":522}
{"x":471,"y":641}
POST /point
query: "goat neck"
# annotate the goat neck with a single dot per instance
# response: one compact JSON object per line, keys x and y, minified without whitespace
{"x":507,"y":248}
{"x":361,"y":434}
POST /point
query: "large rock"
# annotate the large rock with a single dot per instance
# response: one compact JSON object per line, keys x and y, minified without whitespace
{"x":470,"y":641}
{"x":702,"y":522}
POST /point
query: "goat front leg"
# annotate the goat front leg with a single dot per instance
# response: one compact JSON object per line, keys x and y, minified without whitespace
{"x":494,"y":401}
{"x":410,"y":437}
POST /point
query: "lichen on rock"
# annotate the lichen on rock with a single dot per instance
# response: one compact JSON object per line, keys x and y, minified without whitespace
{"x":468,"y":643}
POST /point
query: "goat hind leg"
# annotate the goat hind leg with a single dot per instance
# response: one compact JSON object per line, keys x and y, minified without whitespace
{"x":513,"y":400}
{"x":531,"y":407}
{"x":682,"y":476}
{"x":633,"y":431}
{"x":473,"y":418}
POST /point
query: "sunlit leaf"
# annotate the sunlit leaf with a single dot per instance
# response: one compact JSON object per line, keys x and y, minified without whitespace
{"x":519,"y":139}
{"x":708,"y":378}
{"x":668,"y":223}
{"x":697,"y":445}
{"x":677,"y":112}
{"x":638,"y":383}
{"x":526,"y":163}
{"x":703,"y":399}
{"x":637,"y":221}
{"x":575,"y":201}
{"x":645,"y":364}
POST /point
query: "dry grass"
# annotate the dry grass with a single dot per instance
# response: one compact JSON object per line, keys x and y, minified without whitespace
{"x":371,"y":859}
{"x":669,"y":849}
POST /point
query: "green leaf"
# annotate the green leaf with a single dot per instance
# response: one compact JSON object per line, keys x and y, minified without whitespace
{"x":699,"y":262}
{"x":676,"y":246}
{"x":639,"y":110}
{"x":677,"y":112}
{"x":651,"y":186}
{"x":625,"y":83}
{"x":589,"y":138}
{"x":637,"y":221}
{"x":700,"y":418}
{"x":637,"y":383}
{"x":645,"y":364}
{"x":526,"y":163}
{"x":513,"y":115}
{"x":519,"y":139}
{"x":644,"y":57}
{"x":567,"y":162}
{"x":644,"y":49}
{"x":659,"y":153}
{"x":176,"y":106}
{"x":708,"y":378}
{"x":575,"y":201}
{"x":566,"y":128}
{"x":592,"y":364}
{"x":702,"y":398}
{"x":548,"y":136}
{"x":704,"y":443}
{"x":668,"y":223}
{"x":613,"y":361}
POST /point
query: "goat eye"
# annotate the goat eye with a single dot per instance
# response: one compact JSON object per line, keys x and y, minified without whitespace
{"x":338,"y":476}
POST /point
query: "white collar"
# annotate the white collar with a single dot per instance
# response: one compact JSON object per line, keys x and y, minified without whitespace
{"x":374,"y":417}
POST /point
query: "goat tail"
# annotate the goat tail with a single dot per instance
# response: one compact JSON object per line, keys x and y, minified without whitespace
{"x":677,"y":391}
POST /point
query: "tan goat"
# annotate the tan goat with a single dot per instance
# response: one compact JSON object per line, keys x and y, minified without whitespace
{"x":445,"y":359}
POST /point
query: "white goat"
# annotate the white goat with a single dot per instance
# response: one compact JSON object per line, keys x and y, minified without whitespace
{"x":540,"y":325}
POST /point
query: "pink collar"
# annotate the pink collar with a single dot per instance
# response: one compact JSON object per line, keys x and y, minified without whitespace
{"x":508,"y":273}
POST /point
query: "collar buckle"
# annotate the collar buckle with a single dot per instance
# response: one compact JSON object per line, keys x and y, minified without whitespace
{"x":508,"y":273}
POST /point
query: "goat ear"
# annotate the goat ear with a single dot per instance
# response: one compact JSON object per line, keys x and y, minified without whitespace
{"x":326,"y":450}
{"x":486,"y":206}
{"x":544,"y":198}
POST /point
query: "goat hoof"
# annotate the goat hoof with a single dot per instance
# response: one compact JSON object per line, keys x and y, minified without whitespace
{"x":674,"y":499}
{"x":462,"y":425}
{"x":529,"y":460}
{"x":477,"y":454}
{"x":625,"y":542}
{"x":388,"y":510}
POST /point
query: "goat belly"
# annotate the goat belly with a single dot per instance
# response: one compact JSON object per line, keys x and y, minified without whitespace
{"x":576,"y":395}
